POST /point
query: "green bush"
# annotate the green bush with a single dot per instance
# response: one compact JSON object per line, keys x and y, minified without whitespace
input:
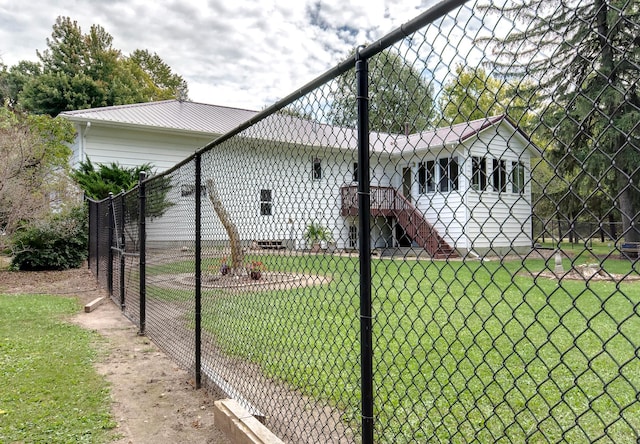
{"x":57,"y":243}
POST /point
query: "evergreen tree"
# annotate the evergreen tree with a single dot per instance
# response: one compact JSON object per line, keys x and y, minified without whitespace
{"x":98,"y":182}
{"x":585,"y":55}
{"x":80,"y":71}
{"x":166,"y":84}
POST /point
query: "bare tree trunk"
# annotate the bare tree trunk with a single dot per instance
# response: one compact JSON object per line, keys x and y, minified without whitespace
{"x":612,"y":227}
{"x":628,"y":210}
{"x":237,"y":255}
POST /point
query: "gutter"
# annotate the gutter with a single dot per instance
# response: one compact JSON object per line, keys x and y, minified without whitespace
{"x":138,"y":126}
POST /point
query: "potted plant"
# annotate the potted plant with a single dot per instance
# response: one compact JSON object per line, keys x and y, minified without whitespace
{"x":255,"y":270}
{"x":224,"y":267}
{"x":315,"y":234}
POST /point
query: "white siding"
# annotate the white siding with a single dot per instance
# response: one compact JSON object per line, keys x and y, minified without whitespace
{"x":469,"y":219}
{"x":240,"y":170}
{"x":498,"y":221}
{"x":131,"y":148}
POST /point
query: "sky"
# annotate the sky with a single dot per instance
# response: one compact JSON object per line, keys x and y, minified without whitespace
{"x":239,"y":53}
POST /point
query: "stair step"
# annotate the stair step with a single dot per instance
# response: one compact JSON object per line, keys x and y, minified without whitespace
{"x":421,"y":231}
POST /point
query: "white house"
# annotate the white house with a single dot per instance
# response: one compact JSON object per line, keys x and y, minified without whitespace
{"x":461,"y":189}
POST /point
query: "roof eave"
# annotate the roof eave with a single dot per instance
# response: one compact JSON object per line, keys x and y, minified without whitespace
{"x":139,"y":127}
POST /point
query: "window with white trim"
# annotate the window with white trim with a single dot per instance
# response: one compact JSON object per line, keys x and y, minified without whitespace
{"x":499,"y":175}
{"x":448,"y":172}
{"x":517,"y":177}
{"x":266,"y":203}
{"x":426,"y":177}
{"x":478,"y":173}
{"x":317,"y":169}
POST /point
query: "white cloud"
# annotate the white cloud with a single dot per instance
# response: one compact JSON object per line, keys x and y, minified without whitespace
{"x":236,"y":53}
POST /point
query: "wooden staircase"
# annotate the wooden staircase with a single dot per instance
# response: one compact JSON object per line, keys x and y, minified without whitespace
{"x":420,"y":230}
{"x":387,"y":201}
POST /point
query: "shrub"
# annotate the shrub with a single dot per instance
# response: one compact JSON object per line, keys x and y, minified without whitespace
{"x":317,"y":233}
{"x":57,"y":243}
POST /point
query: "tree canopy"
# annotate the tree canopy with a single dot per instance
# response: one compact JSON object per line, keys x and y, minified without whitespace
{"x":472,"y":94}
{"x":79,"y":71}
{"x":585,"y":56}
{"x":399,"y":95}
{"x":35,"y":156}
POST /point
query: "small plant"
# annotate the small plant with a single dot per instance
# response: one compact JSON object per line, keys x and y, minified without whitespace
{"x":317,"y":233}
{"x":224,"y":267}
{"x":255,"y":269}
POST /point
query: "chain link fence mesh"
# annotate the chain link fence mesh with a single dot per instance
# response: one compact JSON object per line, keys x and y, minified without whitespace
{"x":504,"y":213}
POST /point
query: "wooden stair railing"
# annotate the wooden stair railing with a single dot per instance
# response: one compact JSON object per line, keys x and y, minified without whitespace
{"x":387,"y":201}
{"x":420,"y":230}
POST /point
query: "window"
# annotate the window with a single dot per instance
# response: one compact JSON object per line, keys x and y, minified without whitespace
{"x":517,"y":177}
{"x":187,"y":190}
{"x":479,"y":173}
{"x":448,"y":168}
{"x":426,"y":177}
{"x":266,"y":200}
{"x":317,"y":169}
{"x":499,"y":175}
{"x":431,"y":176}
{"x":353,"y":236}
{"x":355,"y":171}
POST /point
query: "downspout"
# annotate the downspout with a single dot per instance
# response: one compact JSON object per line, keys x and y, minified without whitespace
{"x":466,"y":200}
{"x":81,"y":145}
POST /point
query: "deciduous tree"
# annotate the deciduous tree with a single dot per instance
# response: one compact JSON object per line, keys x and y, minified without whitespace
{"x":33,"y":177}
{"x":472,"y":94}
{"x":79,"y":71}
{"x":399,"y":95}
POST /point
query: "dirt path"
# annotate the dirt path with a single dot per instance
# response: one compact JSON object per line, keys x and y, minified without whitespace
{"x":154,"y":401}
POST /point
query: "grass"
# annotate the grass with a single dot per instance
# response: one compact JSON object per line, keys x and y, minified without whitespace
{"x":463,"y":351}
{"x":49,"y":390}
{"x":587,"y":251}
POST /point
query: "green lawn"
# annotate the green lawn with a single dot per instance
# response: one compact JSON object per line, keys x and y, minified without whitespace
{"x":588,"y":251}
{"x":49,"y":390}
{"x":463,"y":351}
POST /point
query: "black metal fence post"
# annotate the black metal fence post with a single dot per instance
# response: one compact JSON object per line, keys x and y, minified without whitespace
{"x":121,"y":221}
{"x":364,"y":219}
{"x":92,"y":232}
{"x":198,"y":270}
{"x":110,"y":247}
{"x":142,"y":246}
{"x":97,"y":249}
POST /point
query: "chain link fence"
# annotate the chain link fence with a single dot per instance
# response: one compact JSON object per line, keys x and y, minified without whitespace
{"x":362,"y":261}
